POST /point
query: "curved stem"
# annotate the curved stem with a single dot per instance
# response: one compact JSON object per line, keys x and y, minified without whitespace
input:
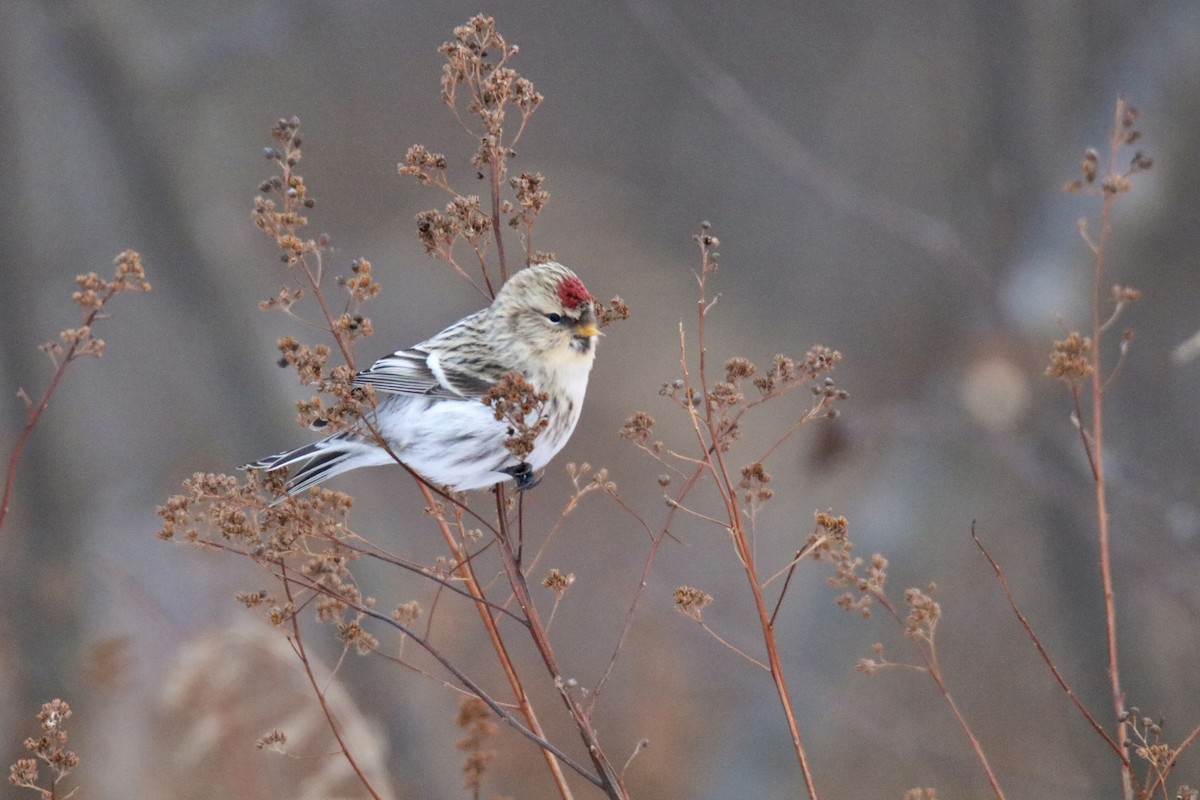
{"x":493,"y":631}
{"x":312,"y":679}
{"x":609,"y":777}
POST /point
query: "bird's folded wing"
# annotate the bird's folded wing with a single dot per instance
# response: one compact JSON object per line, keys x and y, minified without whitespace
{"x":418,"y":372}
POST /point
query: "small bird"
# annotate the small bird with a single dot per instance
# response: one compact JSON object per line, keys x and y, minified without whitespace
{"x":430,"y":408}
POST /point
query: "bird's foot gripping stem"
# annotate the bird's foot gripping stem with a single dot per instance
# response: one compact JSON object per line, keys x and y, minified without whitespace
{"x":523,"y":475}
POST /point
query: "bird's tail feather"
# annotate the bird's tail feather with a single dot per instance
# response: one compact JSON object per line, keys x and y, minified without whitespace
{"x":321,"y":460}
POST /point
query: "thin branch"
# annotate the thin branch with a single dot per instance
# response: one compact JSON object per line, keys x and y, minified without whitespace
{"x":732,"y":647}
{"x":610,"y":780}
{"x":298,"y":642}
{"x":34,"y":411}
{"x":1062,"y":682}
{"x":790,"y":569}
{"x":493,"y":631}
{"x":475,"y":689}
{"x":1106,"y":576}
{"x":655,"y":542}
{"x":1175,"y":754}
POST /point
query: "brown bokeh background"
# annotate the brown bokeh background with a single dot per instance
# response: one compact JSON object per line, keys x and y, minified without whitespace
{"x":885,"y":179}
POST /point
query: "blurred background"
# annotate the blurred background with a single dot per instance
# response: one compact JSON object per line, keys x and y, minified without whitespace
{"x":885,"y":179}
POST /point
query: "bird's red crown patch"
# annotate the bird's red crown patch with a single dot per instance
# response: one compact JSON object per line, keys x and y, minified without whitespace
{"x":572,"y":293}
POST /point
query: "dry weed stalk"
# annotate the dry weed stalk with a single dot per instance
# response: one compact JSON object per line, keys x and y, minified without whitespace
{"x":306,"y":545}
{"x":716,"y":410}
{"x":1077,"y":360}
{"x":93,"y":296}
{"x":1072,"y":364}
{"x":867,"y":588}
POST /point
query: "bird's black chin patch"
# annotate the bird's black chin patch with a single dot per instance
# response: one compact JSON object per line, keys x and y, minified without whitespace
{"x":582,"y":344}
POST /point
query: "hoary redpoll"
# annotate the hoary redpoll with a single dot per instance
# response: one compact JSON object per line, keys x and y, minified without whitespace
{"x":429,"y":398}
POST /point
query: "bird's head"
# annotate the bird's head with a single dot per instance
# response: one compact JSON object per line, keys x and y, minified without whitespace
{"x":547,"y":312}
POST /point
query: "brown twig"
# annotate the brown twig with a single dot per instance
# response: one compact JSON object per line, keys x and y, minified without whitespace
{"x":729,"y":495}
{"x":1097,"y":441}
{"x":473,"y":687}
{"x":31,"y":420}
{"x":928,"y":653}
{"x":298,"y":644}
{"x":79,"y":345}
{"x":656,"y":541}
{"x":790,"y":569}
{"x":610,"y":779}
{"x":1062,"y":682}
{"x":493,"y":631}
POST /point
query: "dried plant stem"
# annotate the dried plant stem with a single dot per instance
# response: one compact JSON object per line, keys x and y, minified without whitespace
{"x":656,"y":541}
{"x":731,"y":646}
{"x":472,"y":687}
{"x":1097,"y":452}
{"x":497,"y":170}
{"x":312,"y":275}
{"x":1160,"y":780}
{"x":297,"y":643}
{"x":1096,"y":726}
{"x":935,"y":672}
{"x":31,"y":420}
{"x":768,"y":632}
{"x":928,"y":652}
{"x":610,"y":779}
{"x":493,"y":630}
{"x":34,"y":412}
{"x":707,"y":430}
{"x":790,"y":569}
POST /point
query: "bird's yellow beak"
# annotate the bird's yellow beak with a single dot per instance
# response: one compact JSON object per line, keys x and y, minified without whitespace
{"x":588,"y":330}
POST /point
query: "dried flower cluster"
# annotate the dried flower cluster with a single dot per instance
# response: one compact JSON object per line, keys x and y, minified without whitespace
{"x":923,"y":612}
{"x":515,"y":401}
{"x":304,"y":539}
{"x":93,"y":294}
{"x":463,"y":218}
{"x":1147,"y":744}
{"x":477,"y":63}
{"x":407,"y":613}
{"x":478,"y":80}
{"x":754,"y":483}
{"x":691,"y":601}
{"x":49,"y":749}
{"x":284,"y":221}
{"x":638,"y":428}
{"x":617,"y":309}
{"x":558,"y":582}
{"x":1070,"y":359}
{"x":832,"y":541}
{"x":276,"y":741}
{"x":284,"y":224}
{"x":1112,"y":182}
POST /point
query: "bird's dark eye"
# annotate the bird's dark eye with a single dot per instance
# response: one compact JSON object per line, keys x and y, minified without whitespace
{"x":555,"y":318}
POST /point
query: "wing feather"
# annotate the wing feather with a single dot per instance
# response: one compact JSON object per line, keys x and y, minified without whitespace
{"x":416,"y":371}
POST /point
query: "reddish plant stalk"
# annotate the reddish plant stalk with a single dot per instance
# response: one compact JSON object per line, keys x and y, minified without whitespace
{"x":612,"y":784}
{"x":298,"y":642}
{"x":35,"y":411}
{"x":467,"y":572}
{"x":1106,"y":577}
{"x":736,"y":527}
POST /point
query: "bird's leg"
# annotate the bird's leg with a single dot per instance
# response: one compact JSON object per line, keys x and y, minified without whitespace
{"x":523,"y":474}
